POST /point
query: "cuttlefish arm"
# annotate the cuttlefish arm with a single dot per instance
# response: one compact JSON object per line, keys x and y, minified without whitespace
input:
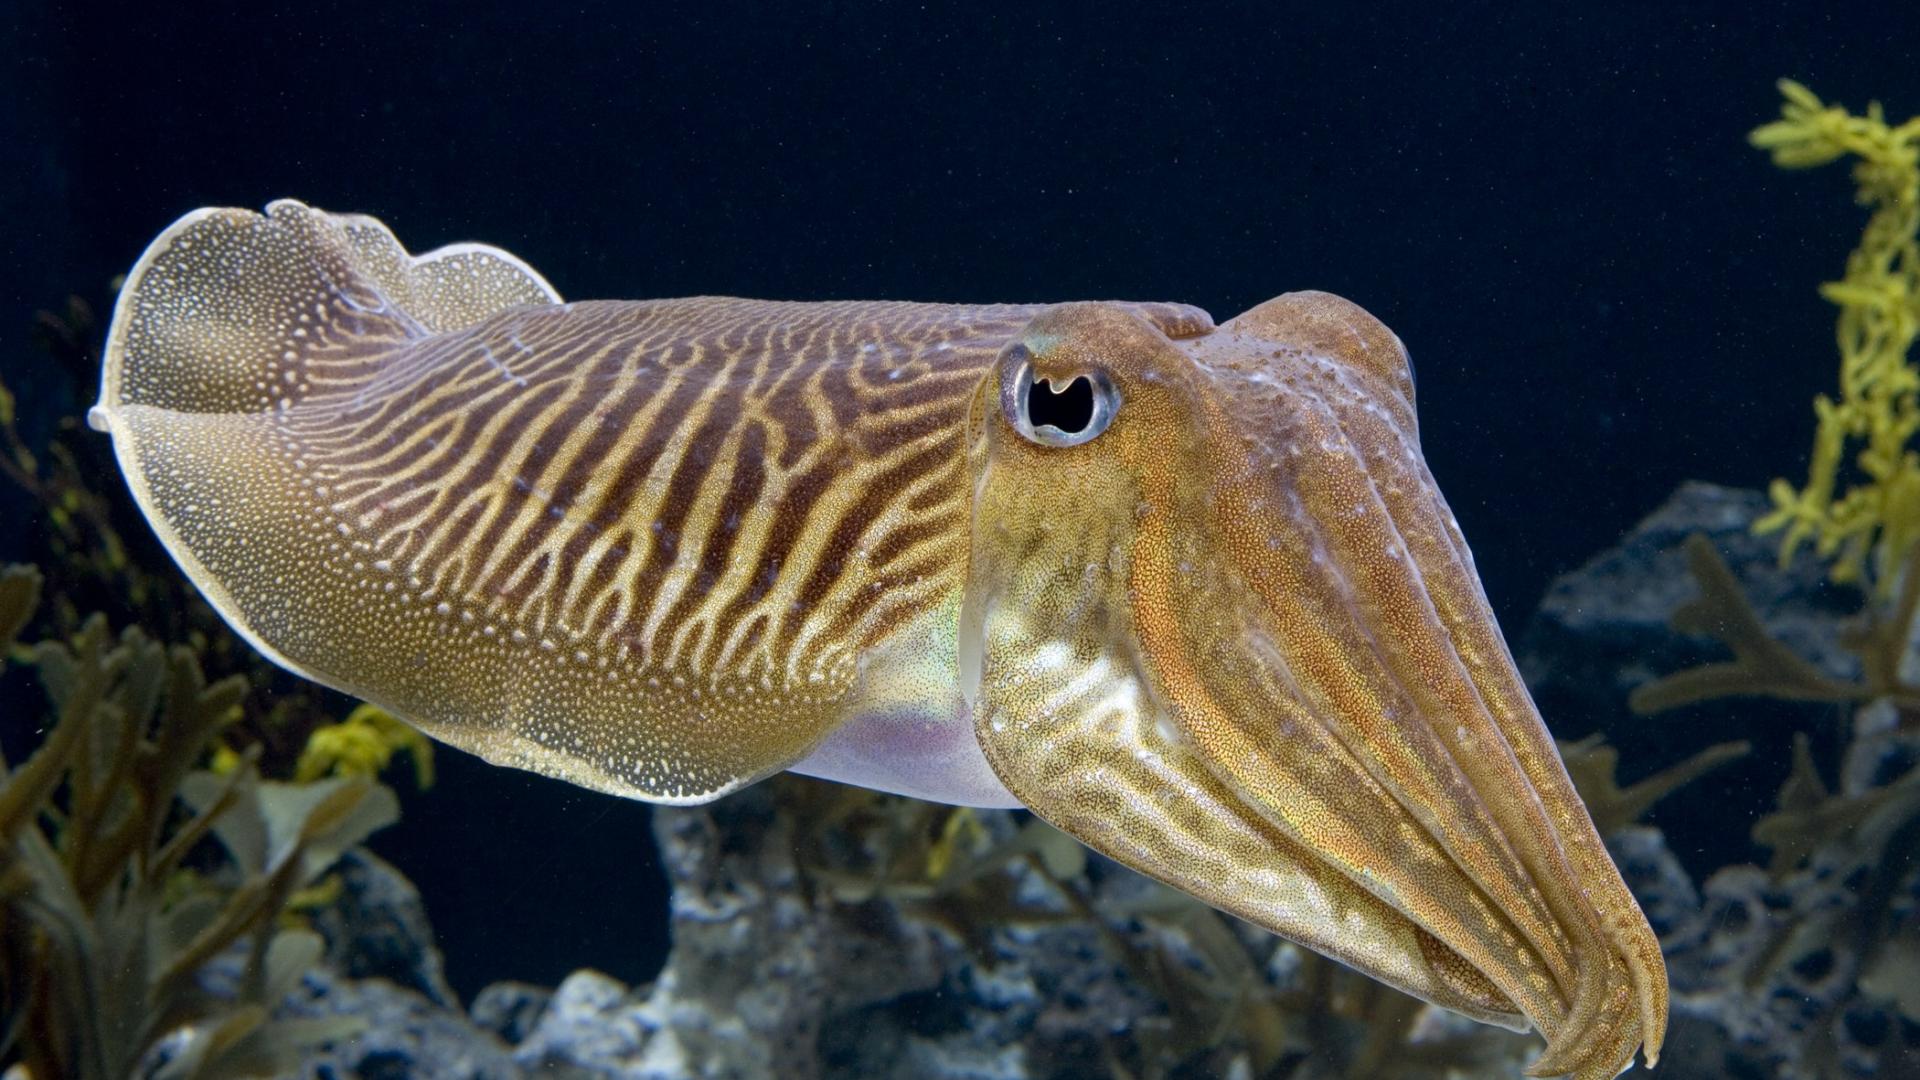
{"x":1237,"y":642}
{"x":1187,"y":591}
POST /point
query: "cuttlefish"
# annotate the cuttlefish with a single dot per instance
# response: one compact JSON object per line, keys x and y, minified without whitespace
{"x":1185,"y":590}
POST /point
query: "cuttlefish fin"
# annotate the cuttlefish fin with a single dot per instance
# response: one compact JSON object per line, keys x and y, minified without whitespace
{"x":269,"y":384}
{"x":227,"y":308}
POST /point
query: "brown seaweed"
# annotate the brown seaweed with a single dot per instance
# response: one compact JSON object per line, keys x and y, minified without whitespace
{"x":1592,"y":764}
{"x":113,"y":904}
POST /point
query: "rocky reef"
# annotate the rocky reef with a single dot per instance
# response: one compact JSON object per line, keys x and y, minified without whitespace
{"x":1804,"y":966}
{"x":820,"y":931}
{"x":1029,"y":959}
{"x":823,"y":931}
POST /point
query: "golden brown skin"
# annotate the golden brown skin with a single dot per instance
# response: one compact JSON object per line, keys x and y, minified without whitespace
{"x":1237,"y":642}
{"x":1233,"y":638}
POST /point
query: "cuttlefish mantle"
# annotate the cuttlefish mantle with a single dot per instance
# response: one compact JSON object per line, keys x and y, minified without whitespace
{"x":1186,"y":590}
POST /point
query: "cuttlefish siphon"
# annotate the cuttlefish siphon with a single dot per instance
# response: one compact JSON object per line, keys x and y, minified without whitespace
{"x":1187,"y":591}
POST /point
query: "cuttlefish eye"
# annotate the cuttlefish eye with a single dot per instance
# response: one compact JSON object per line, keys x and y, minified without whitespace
{"x":1056,"y":410}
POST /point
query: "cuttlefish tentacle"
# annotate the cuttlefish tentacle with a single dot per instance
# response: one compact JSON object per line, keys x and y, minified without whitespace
{"x":1187,"y":591}
{"x":1367,"y":520}
{"x":1422,"y":523}
{"x":1402,"y":565}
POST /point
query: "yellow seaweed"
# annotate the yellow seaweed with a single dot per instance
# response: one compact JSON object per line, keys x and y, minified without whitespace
{"x":1867,"y":524}
{"x":363,"y":745}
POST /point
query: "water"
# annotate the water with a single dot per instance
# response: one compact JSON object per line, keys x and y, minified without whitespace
{"x":1607,"y":293}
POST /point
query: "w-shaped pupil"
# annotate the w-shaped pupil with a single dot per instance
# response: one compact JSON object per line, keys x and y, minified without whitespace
{"x":1069,"y":410}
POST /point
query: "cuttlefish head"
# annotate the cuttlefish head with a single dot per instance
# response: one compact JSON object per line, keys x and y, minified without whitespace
{"x":1221,"y":626}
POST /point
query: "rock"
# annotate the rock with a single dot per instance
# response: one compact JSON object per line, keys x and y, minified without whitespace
{"x":510,"y":1010}
{"x":405,"y":1035}
{"x":1768,"y":971}
{"x":784,"y":964}
{"x":593,"y":1026}
{"x":378,"y":928}
{"x":1602,"y":630}
{"x":1783,"y":962}
{"x":769,"y":978}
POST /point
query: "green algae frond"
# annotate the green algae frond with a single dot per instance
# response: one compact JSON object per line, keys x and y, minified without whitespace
{"x":1860,"y":506}
{"x":125,"y":870}
{"x":182,"y":806}
{"x":1836,"y":940}
{"x":1592,"y":764}
{"x":1868,"y":523}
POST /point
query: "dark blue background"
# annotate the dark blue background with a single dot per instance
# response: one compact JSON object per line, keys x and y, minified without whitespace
{"x":1605,"y":290}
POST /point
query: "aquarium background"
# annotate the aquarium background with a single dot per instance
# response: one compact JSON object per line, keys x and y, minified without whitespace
{"x":1605,"y":290}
